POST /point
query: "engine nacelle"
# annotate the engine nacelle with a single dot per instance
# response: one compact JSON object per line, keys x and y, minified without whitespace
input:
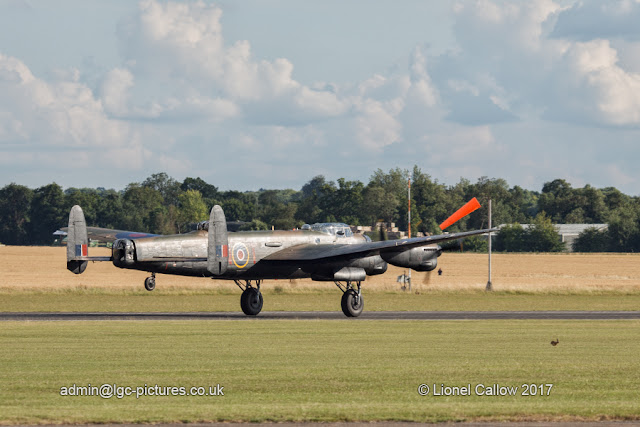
{"x":124,"y":253}
{"x":418,"y":259}
{"x":350,"y":271}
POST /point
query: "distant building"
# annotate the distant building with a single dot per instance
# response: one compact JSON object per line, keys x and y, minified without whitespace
{"x":569,"y":232}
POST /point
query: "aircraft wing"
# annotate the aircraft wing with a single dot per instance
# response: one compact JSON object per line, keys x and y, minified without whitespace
{"x":311,"y":252}
{"x":98,"y":234}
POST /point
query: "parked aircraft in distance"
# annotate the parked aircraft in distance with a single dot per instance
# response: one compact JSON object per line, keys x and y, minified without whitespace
{"x":324,"y":252}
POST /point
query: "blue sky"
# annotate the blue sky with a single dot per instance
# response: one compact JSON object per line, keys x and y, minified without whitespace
{"x":269,"y":93}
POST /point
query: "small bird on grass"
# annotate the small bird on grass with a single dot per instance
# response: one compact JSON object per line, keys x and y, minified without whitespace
{"x":555,"y":343}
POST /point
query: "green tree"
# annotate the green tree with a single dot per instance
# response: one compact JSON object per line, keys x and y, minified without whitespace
{"x":555,"y":199}
{"x":429,"y":203}
{"x":592,"y":240}
{"x":311,"y":195}
{"x":192,"y":209}
{"x":594,"y":207}
{"x":277,"y":211}
{"x":378,"y":204}
{"x":168,"y":187}
{"x":524,"y":204}
{"x":565,"y":204}
{"x":511,"y":238}
{"x":144,"y":211}
{"x":208,"y":191}
{"x":496,"y":190}
{"x":314,"y":187}
{"x":47,"y":213}
{"x":614,"y":199}
{"x":542,"y":236}
{"x":254,"y":225}
{"x":237,"y":210}
{"x":109,"y":212}
{"x":15,"y":208}
{"x":346,"y":201}
{"x":394,"y":183}
{"x":283,"y":217}
{"x":623,"y":231}
{"x":476,"y":244}
{"x":87,"y":198}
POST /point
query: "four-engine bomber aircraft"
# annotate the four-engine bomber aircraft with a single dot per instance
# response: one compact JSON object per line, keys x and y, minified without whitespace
{"x":324,"y":252}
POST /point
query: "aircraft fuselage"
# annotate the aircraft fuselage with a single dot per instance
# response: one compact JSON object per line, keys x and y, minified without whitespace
{"x":246,"y":251}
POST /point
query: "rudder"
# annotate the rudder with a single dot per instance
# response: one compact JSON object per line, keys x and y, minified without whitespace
{"x":77,"y":241}
{"x":218,"y":245}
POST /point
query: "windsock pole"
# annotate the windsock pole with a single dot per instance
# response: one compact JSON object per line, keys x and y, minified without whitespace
{"x":489,"y":284}
{"x":409,"y":213}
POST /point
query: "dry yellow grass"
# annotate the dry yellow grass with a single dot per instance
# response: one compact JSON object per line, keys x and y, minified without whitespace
{"x":43,"y":269}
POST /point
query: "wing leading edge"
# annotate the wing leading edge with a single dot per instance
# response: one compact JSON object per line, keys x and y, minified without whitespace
{"x":311,"y":252}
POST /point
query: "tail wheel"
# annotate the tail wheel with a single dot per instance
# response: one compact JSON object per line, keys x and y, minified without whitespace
{"x":150,"y":283}
{"x":251,"y":301}
{"x":352,"y":303}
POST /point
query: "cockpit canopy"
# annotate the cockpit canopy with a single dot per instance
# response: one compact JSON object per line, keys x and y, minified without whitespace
{"x":331,"y":228}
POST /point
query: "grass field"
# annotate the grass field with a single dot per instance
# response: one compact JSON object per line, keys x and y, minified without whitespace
{"x":43,"y":269}
{"x":280,"y":370}
{"x":158,"y":301}
{"x":35,"y":279}
{"x":315,"y":370}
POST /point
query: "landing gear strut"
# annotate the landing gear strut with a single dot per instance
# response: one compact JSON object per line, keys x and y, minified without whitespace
{"x":150,"y":282}
{"x":251,"y":299}
{"x":352,"y":302}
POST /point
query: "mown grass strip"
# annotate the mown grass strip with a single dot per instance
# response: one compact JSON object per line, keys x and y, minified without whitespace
{"x":285,"y":370}
{"x":158,"y":301}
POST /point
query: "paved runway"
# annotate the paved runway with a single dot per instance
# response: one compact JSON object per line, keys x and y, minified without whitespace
{"x":371,"y":315}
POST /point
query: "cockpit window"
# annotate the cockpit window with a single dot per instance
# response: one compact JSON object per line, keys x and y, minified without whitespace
{"x":333,"y":229}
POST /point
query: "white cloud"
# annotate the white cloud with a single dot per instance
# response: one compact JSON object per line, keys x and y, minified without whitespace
{"x":376,"y":125}
{"x":61,"y":123}
{"x":186,"y":100}
{"x":115,"y":91}
{"x":512,"y":63}
{"x":178,"y":50}
{"x":590,"y":86}
{"x":63,"y":113}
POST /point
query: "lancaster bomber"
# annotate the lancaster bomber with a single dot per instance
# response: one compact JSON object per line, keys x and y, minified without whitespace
{"x":325,"y":252}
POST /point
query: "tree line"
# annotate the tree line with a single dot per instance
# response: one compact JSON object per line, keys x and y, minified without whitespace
{"x":163,"y":205}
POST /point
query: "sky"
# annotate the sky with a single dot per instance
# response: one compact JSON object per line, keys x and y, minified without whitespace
{"x":270,"y":93}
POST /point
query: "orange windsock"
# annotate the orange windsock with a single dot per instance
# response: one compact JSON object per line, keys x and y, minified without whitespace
{"x":471,"y":206}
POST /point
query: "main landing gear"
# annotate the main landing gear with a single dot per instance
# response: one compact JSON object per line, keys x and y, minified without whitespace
{"x":251,"y":299}
{"x":150,"y":282}
{"x":352,"y":302}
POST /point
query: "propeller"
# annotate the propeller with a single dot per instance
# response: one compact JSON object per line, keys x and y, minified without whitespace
{"x":426,"y":279}
{"x":471,"y":206}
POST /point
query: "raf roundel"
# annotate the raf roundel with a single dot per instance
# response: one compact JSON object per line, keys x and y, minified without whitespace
{"x":240,"y":255}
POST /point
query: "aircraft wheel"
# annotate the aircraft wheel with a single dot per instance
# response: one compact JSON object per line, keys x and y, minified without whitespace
{"x":251,"y":301}
{"x":150,"y":283}
{"x":350,"y":307}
